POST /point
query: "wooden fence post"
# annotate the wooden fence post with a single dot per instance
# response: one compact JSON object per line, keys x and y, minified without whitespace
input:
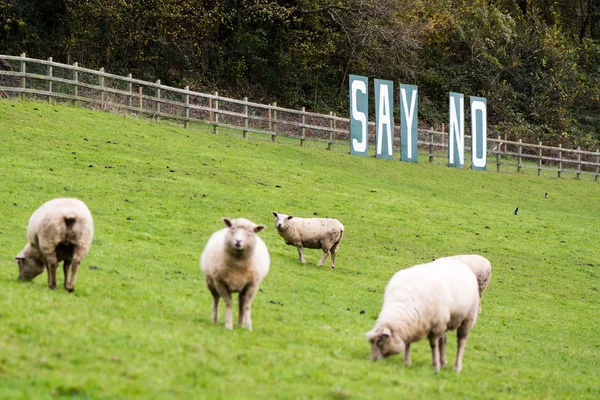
{"x":76,"y":80}
{"x":187,"y":106}
{"x":210,"y":112}
{"x":274,"y":122}
{"x":519,"y":159}
{"x":130,"y":90}
{"x":560,"y":159}
{"x":23,"y":81}
{"x":102,"y":87}
{"x":430,"y":145}
{"x":216,"y":129}
{"x":499,"y":150}
{"x":540,"y":160}
{"x":303,"y":129}
{"x":141,"y":93}
{"x":245,"y":131}
{"x":443,"y":137}
{"x":157,"y":113}
{"x":330,"y":130}
{"x":597,"y":165}
{"x":49,"y":69}
{"x":578,"y":162}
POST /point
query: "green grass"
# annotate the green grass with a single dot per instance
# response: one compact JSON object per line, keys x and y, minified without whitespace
{"x":140,"y":325}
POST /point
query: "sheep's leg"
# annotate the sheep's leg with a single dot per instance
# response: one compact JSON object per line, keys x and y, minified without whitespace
{"x":461,"y":335}
{"x":246,"y":308}
{"x":333,"y":257}
{"x":241,"y":301}
{"x":301,"y":254}
{"x":322,"y":260}
{"x":66,"y":266}
{"x":407,"y":359}
{"x":228,"y":309}
{"x":74,"y":267}
{"x":216,"y":297}
{"x":443,"y":359}
{"x":51,"y":265}
{"x":435,"y":352}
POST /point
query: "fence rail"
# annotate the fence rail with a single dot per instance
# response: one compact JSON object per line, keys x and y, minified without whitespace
{"x":23,"y":76}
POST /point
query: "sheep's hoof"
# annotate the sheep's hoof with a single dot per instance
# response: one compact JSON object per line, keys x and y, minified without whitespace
{"x":71,"y":290}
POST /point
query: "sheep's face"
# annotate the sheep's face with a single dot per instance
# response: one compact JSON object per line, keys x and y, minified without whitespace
{"x":281,"y":220}
{"x":30,"y":266}
{"x":242,"y":233}
{"x":384,"y":343}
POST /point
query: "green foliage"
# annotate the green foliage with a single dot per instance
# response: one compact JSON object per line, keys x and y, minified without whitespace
{"x":139,"y":324}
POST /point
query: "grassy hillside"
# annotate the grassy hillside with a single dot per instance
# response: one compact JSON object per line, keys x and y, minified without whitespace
{"x":139,"y":323}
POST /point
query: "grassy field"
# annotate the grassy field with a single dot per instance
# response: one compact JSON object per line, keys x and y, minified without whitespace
{"x":139,"y":323}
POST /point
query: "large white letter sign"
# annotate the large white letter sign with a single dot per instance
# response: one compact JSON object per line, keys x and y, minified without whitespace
{"x":479,"y":133}
{"x":409,"y":134}
{"x":456,"y":131}
{"x":359,"y":107}
{"x":384,"y":110}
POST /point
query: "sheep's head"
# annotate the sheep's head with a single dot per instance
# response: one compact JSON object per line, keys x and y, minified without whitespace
{"x":384,"y":343}
{"x":281,"y":220}
{"x":30,"y":264}
{"x":241,"y":234}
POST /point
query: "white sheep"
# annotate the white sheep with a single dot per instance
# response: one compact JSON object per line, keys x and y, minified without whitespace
{"x":60,"y":230}
{"x":481,"y":267}
{"x":426,"y":300}
{"x":312,"y":233}
{"x":235,"y":259}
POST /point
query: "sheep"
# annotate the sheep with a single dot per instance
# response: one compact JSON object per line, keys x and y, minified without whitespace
{"x":235,"y":259}
{"x":59,"y":230}
{"x":481,"y":267}
{"x":426,"y":300}
{"x":312,"y":233}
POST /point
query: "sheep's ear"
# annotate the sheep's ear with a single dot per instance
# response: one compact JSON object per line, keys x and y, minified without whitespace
{"x":227,"y":222}
{"x":386,"y":332}
{"x":20,"y":256}
{"x":259,"y":228}
{"x":290,"y":217}
{"x":275,"y":214}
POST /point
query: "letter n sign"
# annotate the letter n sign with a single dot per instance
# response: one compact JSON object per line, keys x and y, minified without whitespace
{"x":408,"y":120}
{"x":359,"y":107}
{"x":478,"y":133}
{"x":384,"y":109}
{"x":456,"y":131}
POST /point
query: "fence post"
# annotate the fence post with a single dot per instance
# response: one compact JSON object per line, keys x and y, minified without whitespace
{"x":597,"y":165}
{"x":245,"y":131}
{"x":578,"y":162}
{"x":540,"y":160}
{"x":499,"y":149}
{"x":430,"y":145}
{"x":187,"y":106}
{"x":210,"y":112}
{"x":141,"y":92}
{"x":102,"y":87}
{"x":130,"y":90}
{"x":443,"y":138}
{"x":559,"y":159}
{"x":49,"y":69}
{"x":23,"y":81}
{"x":330,"y":130}
{"x":157,"y":113}
{"x":76,"y":80}
{"x":274,"y":122}
{"x":303,"y":129}
{"x":216,"y":126}
{"x":520,"y":149}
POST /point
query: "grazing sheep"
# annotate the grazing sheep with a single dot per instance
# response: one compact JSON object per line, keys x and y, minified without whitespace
{"x":60,"y":230}
{"x":235,"y":259}
{"x":312,"y":233}
{"x":426,"y":300}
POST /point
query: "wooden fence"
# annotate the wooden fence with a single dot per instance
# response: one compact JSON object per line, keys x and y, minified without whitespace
{"x":27,"y":77}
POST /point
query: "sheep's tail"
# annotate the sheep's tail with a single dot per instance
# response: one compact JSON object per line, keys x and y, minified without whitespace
{"x":337,"y":244}
{"x":71,"y":225}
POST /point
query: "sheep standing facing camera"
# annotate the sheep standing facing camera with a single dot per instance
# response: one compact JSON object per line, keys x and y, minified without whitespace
{"x":426,"y":300}
{"x":312,"y":233}
{"x":60,"y":230}
{"x":234,"y":260}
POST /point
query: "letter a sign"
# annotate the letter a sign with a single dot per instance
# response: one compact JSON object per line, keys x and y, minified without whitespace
{"x":384,"y":107}
{"x":359,"y":108}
